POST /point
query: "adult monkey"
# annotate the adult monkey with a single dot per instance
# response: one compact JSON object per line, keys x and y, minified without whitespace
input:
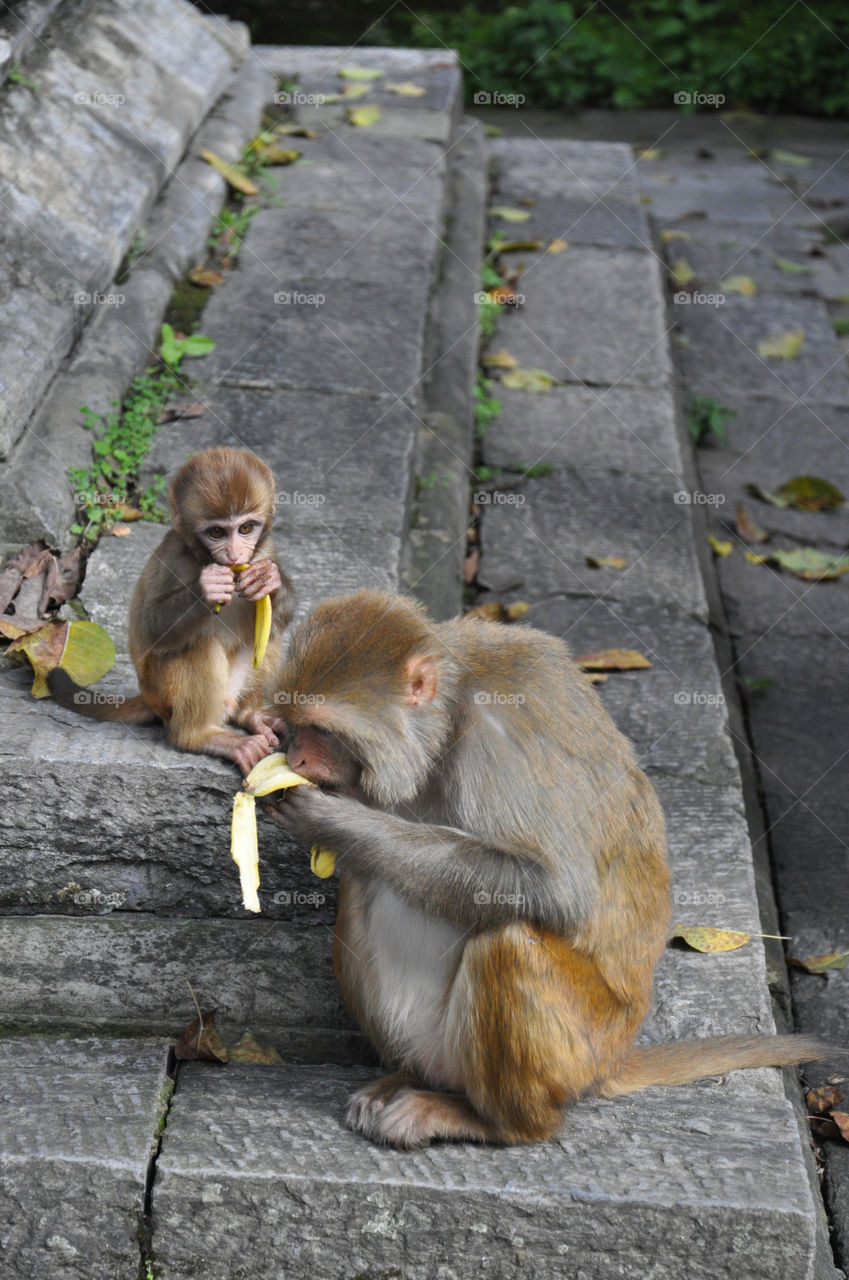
{"x":192,"y":615}
{"x":504,"y":891}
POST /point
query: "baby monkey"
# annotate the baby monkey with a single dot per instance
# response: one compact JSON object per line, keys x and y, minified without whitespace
{"x":192,"y":614}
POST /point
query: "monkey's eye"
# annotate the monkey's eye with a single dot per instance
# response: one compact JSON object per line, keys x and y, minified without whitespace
{"x":247,"y":528}
{"x":216,"y":533}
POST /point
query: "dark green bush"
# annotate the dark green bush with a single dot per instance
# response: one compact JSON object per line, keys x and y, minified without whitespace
{"x":640,"y":54}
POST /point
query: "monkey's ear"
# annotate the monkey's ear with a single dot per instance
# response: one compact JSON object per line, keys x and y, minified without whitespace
{"x":422,"y":681}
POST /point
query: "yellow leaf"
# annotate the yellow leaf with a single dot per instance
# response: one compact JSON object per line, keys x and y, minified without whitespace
{"x":668,"y":236}
{"x":606,"y":562}
{"x":720,"y":548}
{"x":363,"y":115}
{"x":406,"y":89}
{"x":613,"y":660}
{"x":681,"y":273}
{"x":821,"y":964}
{"x":359,"y":73}
{"x":739,"y":284}
{"x":557,"y":246}
{"x":517,"y":610}
{"x":650,"y":153}
{"x":274,"y":155}
{"x":499,"y":360}
{"x":754,"y":558}
{"x":508,"y":214}
{"x":703,"y":937}
{"x":784,"y":346}
{"x":529,"y":380}
{"x":350,"y":91}
{"x":235,"y":176}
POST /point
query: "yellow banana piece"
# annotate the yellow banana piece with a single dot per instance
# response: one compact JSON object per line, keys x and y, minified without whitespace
{"x":262,"y":622}
{"x":244,"y":848}
{"x":322,"y":862}
{"x":271,"y":774}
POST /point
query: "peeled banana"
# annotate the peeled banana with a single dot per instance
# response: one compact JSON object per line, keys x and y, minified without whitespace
{"x":271,"y":774}
{"x":262,"y":627}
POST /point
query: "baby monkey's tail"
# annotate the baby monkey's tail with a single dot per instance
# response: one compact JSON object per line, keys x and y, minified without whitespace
{"x":96,"y":707}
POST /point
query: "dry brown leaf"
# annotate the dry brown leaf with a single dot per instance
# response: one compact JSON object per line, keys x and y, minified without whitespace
{"x":747,"y":529}
{"x":706,"y":938}
{"x":613,"y":660}
{"x":823,"y":1099}
{"x":499,"y":360}
{"x":821,"y":964}
{"x":205,"y":277}
{"x":606,"y":562}
{"x":233,"y":175}
{"x":841,"y":1119}
{"x":120,"y":530}
{"x":200,"y":1039}
{"x":249,"y":1049}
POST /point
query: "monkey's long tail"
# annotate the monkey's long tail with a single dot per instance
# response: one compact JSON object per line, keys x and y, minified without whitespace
{"x":69,"y":695}
{"x":686,"y":1060}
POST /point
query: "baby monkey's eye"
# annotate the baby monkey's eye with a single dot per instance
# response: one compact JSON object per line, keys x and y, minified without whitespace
{"x":215,"y":532}
{"x":247,"y":528}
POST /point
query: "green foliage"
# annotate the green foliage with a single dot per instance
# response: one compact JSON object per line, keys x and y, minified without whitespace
{"x":16,"y":76}
{"x":840,"y":325}
{"x":172,"y":349}
{"x":564,"y":54}
{"x":230,"y":228}
{"x":707,"y":420}
{"x":121,"y":441}
{"x":486,"y":406}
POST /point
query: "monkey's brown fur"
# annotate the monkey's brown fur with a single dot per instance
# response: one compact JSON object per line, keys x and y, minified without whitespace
{"x":194,"y":665}
{"x":503,"y":898}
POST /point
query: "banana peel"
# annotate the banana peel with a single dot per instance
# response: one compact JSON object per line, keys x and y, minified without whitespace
{"x":271,"y":774}
{"x":262,"y":625}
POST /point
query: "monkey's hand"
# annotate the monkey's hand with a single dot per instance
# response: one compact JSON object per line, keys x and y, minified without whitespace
{"x":217,"y":582}
{"x":260,"y":578}
{"x":313,"y":818}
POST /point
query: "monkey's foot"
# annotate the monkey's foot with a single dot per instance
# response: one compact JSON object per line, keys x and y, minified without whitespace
{"x":393,"y":1111}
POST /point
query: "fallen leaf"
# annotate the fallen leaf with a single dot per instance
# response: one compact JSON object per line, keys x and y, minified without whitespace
{"x":363,"y":115}
{"x":406,"y":89}
{"x":205,"y":277}
{"x":702,"y":937}
{"x":274,"y":155}
{"x":200,"y":1039}
{"x":821,"y":964}
{"x":9,"y":631}
{"x":249,"y":1049}
{"x":120,"y":530}
{"x":508,"y":214}
{"x":122,"y":511}
{"x":359,"y":73}
{"x":517,"y":246}
{"x":681,"y":274}
{"x":809,"y":564}
{"x":502,"y":294}
{"x":739,"y":284}
{"x":650,"y":153}
{"x":288,"y":129}
{"x":351,"y":91}
{"x":489,"y":611}
{"x":529,"y":380}
{"x":810,"y":493}
{"x":499,"y":360}
{"x":557,"y":246}
{"x":235,"y":177}
{"x":782,"y":346}
{"x":83,"y":649}
{"x":754,"y":558}
{"x":471,"y":565}
{"x":668,"y":236}
{"x":493,"y":131}
{"x":175,"y":411}
{"x":595,"y":677}
{"x":791,"y":157}
{"x":517,"y":610}
{"x":16,"y":568}
{"x":793,"y":268}
{"x":613,"y":660}
{"x":747,"y":529}
{"x":606,"y":562}
{"x":820,"y":1100}
{"x":720,"y":548}
{"x":841,"y":1119}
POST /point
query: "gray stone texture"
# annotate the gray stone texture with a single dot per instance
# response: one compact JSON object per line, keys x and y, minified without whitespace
{"x":82,"y":160}
{"x":646,"y":1186}
{"x":80,"y":1119}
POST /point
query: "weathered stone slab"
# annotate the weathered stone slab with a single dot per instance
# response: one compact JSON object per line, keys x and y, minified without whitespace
{"x":80,"y":1119}
{"x":686,"y":1182}
{"x":124,"y":89}
{"x":543,"y":532}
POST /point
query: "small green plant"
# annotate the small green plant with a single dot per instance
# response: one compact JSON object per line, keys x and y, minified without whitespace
{"x":486,"y":406}
{"x":229,"y":232}
{"x":16,"y":76}
{"x":755,"y":685}
{"x":172,"y":349}
{"x":840,"y":325}
{"x":707,"y":420}
{"x":537,"y":469}
{"x":430,"y":482}
{"x":121,"y":442}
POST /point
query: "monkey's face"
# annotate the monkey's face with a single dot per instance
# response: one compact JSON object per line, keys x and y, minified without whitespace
{"x":322,"y":757}
{"x":232,"y":541}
